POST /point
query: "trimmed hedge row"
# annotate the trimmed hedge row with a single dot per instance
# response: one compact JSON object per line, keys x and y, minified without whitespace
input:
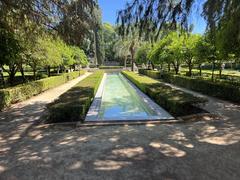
{"x":175,"y":101}
{"x":220,"y":89}
{"x":74,"y":104}
{"x":150,"y":73}
{"x":217,"y":89}
{"x":22,"y":92}
{"x":110,"y":67}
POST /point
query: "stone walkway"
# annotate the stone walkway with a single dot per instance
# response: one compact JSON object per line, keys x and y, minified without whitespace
{"x":216,"y":106}
{"x":193,"y":150}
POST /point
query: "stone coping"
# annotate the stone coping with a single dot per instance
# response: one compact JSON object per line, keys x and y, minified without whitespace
{"x":92,"y":115}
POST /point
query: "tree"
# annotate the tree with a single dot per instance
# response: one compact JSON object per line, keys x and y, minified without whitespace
{"x":110,"y":37}
{"x":154,"y":13}
{"x":142,"y":53}
{"x":10,"y":50}
{"x":222,"y":21}
{"x":50,"y":52}
{"x":169,"y":50}
{"x":159,"y":54}
{"x":189,"y":45}
{"x":121,"y":49}
{"x":202,"y":52}
{"x":30,"y":33}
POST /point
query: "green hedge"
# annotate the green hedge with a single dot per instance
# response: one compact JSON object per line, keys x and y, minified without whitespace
{"x":150,"y":73}
{"x":219,"y":88}
{"x":110,"y":67}
{"x":74,"y":104}
{"x":22,"y":92}
{"x":175,"y":101}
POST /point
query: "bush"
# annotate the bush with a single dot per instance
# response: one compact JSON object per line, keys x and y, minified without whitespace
{"x":110,"y":67}
{"x":74,"y":104}
{"x":224,"y":89}
{"x":220,"y":89}
{"x":22,"y":92}
{"x":175,"y":101}
{"x":150,"y":73}
{"x":93,"y":66}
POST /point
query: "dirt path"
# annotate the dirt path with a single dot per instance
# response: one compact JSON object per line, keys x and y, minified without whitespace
{"x":216,"y":106}
{"x":21,"y":116}
{"x":196,"y":150}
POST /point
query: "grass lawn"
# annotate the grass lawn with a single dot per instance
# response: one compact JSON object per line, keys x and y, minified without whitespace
{"x":216,"y":72}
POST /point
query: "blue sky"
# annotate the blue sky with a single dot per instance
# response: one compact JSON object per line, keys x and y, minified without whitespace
{"x":110,"y":8}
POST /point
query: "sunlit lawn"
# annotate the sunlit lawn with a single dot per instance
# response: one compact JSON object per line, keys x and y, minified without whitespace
{"x":224,"y":72}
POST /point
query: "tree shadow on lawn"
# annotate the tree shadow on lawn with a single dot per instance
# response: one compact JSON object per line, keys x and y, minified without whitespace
{"x":200,"y":150}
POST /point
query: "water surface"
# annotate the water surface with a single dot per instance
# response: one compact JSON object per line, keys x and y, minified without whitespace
{"x":121,"y":101}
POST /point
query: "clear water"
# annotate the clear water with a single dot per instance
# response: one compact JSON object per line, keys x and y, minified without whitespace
{"x":120,"y":100}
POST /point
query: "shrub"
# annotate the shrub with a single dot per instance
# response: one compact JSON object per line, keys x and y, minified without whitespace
{"x":224,"y":89}
{"x":74,"y":104}
{"x":175,"y":101}
{"x":22,"y":92}
{"x":110,"y":67}
{"x":150,"y":73}
{"x":220,"y":89}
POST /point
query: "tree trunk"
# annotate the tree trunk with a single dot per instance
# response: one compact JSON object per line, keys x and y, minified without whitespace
{"x":176,"y":68}
{"x":132,"y":68}
{"x":153,"y":67}
{"x":220,"y":72}
{"x":190,"y":70}
{"x":2,"y":78}
{"x":22,"y":73}
{"x":49,"y":71}
{"x":79,"y":69}
{"x":11,"y":76}
{"x":132,"y":59}
{"x":169,"y":67}
{"x":34,"y":73}
{"x":58,"y":69}
{"x":132,"y":51}
{"x":200,"y":69}
{"x":213,"y":68}
{"x":125,"y":62}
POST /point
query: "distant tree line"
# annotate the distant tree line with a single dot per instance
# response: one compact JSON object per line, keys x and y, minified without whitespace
{"x":165,"y":32}
{"x":45,"y":34}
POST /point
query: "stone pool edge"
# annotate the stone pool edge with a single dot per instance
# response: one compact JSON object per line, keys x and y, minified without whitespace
{"x":92,"y":115}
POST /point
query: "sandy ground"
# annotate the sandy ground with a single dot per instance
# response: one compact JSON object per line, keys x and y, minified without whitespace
{"x":193,"y":150}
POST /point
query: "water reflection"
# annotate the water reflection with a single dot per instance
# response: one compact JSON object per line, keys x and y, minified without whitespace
{"x":120,"y":100}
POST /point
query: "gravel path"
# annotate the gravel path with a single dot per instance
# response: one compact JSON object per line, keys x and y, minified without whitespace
{"x":208,"y":149}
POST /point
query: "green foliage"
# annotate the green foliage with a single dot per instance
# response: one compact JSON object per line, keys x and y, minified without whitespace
{"x":110,"y":67}
{"x":22,"y":92}
{"x":218,"y":89}
{"x":110,"y":38}
{"x":50,"y":51}
{"x":53,"y":52}
{"x":28,"y":38}
{"x":169,"y":50}
{"x":227,"y":88}
{"x":175,"y":101}
{"x":150,"y":73}
{"x":121,"y":47}
{"x":189,"y":50}
{"x":9,"y":47}
{"x":74,"y":104}
{"x":142,"y":53}
{"x":79,"y":56}
{"x":159,"y":53}
{"x":202,"y":51}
